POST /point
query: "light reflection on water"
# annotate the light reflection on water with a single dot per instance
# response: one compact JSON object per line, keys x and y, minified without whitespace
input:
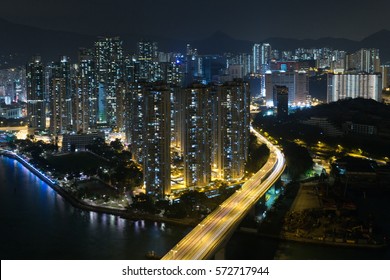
{"x":37,"y":223}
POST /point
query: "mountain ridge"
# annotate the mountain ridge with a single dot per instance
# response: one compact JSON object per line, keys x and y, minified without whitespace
{"x":27,"y":41}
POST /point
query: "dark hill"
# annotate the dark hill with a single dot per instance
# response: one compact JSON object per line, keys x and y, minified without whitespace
{"x":27,"y":41}
{"x":359,"y":110}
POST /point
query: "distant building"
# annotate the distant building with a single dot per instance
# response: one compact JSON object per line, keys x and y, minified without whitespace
{"x":170,"y":73}
{"x":329,"y":128}
{"x":210,"y":67}
{"x":342,"y":86}
{"x":281,"y":93}
{"x":35,"y":78}
{"x":256,"y":54}
{"x":109,"y":63}
{"x":355,"y":128}
{"x":11,"y":112}
{"x":255,"y":85}
{"x":262,"y":54}
{"x":190,"y":67}
{"x":236,"y":71}
{"x":121,"y":92}
{"x":79,"y":142}
{"x":385,"y":76}
{"x":364,"y":60}
{"x":286,"y":66}
{"x":148,"y":61}
{"x":297,"y":83}
{"x":13,"y":84}
{"x":61,"y":97}
{"x":243,"y":59}
{"x":86,"y":95}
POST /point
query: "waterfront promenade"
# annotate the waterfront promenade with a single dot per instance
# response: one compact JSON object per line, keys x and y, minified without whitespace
{"x":88,"y":207}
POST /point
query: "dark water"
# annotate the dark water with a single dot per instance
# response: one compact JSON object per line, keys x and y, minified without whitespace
{"x":37,"y":223}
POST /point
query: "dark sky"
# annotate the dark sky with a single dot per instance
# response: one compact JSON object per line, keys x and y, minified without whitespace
{"x":243,"y":19}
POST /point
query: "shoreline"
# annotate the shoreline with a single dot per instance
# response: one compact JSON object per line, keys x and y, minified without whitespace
{"x":185,"y":223}
{"x":98,"y":209}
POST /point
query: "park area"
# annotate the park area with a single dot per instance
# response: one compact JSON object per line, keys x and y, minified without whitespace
{"x":77,"y":162}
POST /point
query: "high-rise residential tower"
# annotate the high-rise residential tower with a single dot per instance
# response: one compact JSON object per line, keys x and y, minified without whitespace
{"x":364,"y":60}
{"x":121,"y":92}
{"x":342,"y":86}
{"x":134,"y":120}
{"x":232,"y":129}
{"x":35,"y":78}
{"x":60,"y":97}
{"x":297,"y":83}
{"x":157,"y":140}
{"x":385,"y":70}
{"x":262,"y":54}
{"x":147,"y":58}
{"x":148,"y":130}
{"x":197,"y":136}
{"x":86,"y":92}
{"x":281,"y":93}
{"x":109,"y":70}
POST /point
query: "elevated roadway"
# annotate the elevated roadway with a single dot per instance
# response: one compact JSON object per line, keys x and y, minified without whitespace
{"x":209,"y":235}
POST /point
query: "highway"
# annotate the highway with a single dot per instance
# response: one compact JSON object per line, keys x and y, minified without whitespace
{"x":207,"y":237}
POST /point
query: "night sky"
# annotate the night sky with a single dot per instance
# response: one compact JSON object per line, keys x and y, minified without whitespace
{"x":244,"y":19}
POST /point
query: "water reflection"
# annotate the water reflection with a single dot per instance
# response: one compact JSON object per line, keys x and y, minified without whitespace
{"x":37,"y":223}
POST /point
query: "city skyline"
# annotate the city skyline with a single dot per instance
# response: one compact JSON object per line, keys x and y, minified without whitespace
{"x":254,"y":21}
{"x":131,"y":116}
{"x":187,"y":118}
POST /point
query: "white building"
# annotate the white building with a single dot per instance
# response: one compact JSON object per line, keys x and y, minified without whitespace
{"x":342,"y":86}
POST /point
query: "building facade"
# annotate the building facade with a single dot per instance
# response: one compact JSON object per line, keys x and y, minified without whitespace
{"x":109,"y":70}
{"x":157,"y":141}
{"x":232,"y":129}
{"x":297,"y":83}
{"x":281,"y":93}
{"x":342,"y":86}
{"x":35,"y":78}
{"x":364,"y":60}
{"x":61,"y":118}
{"x":197,"y":136}
{"x":86,"y":92}
{"x":79,"y":142}
{"x":147,"y":122}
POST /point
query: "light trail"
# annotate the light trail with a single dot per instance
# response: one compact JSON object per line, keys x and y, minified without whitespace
{"x":205,"y":239}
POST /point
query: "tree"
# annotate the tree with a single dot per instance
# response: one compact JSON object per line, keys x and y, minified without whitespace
{"x":298,"y":159}
{"x":176,"y":210}
{"x":117,"y":145}
{"x":144,"y":202}
{"x":257,"y":155}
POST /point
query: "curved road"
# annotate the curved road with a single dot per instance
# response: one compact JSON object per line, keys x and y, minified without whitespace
{"x":206,"y":238}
